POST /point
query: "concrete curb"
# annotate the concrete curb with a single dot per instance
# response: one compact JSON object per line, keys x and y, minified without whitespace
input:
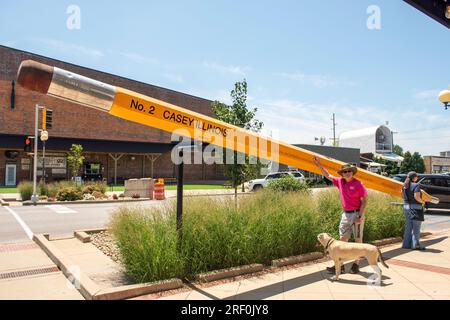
{"x":82,"y":236}
{"x":82,"y":282}
{"x":228,"y":273}
{"x":386,"y":241}
{"x":88,"y":288}
{"x":95,"y":230}
{"x":3,"y":202}
{"x":131,"y":291}
{"x":29,"y":203}
{"x":297,"y":259}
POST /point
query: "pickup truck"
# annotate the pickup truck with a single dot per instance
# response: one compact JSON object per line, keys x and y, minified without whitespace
{"x":257,"y":184}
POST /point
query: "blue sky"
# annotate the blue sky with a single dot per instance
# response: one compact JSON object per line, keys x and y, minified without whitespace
{"x":303,"y":60}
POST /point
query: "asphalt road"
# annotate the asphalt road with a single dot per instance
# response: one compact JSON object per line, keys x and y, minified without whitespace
{"x":18,"y":223}
{"x":56,"y":220}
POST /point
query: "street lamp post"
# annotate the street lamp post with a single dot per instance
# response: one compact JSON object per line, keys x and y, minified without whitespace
{"x":444,"y":97}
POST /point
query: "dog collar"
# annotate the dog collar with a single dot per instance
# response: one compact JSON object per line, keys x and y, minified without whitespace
{"x":328,"y":244}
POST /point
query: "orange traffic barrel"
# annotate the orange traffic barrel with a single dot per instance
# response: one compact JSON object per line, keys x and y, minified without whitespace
{"x":159,"y":191}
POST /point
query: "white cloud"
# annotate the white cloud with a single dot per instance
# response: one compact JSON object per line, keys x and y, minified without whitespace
{"x":422,"y":130}
{"x":428,"y":95}
{"x":317,"y":80}
{"x":138,"y":58}
{"x":225,"y":69}
{"x":69,"y":47}
{"x":173,"y":77}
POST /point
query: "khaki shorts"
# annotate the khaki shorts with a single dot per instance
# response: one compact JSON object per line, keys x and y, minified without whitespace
{"x":347,"y":226}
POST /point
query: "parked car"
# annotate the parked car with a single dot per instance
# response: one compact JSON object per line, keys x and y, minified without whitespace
{"x":258,"y":184}
{"x":437,"y":185}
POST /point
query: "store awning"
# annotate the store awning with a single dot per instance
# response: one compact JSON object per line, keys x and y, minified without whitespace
{"x":374,"y":164}
{"x":389,"y":157}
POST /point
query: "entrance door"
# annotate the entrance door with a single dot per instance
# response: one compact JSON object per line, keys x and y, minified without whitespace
{"x":10,"y":177}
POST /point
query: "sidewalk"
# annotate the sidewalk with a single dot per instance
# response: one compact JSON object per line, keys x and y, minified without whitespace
{"x":26,"y":272}
{"x":412,"y":275}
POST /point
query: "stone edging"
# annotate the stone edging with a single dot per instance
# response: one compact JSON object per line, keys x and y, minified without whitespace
{"x":3,"y":202}
{"x":229,"y":273}
{"x":387,"y":241}
{"x":297,"y":259}
{"x":134,"y":290}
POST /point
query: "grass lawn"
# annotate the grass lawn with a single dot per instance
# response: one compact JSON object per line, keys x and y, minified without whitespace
{"x":9,"y":190}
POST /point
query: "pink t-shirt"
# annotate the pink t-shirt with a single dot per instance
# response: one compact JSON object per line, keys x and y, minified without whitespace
{"x":351,"y":193}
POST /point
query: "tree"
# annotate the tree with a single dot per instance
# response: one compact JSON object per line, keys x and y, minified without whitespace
{"x":398,"y":150}
{"x":75,"y":159}
{"x":240,"y":115}
{"x":412,"y":162}
{"x":391,"y":166}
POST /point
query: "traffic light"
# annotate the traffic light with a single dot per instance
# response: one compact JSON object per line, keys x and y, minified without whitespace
{"x":47,"y":118}
{"x":28,"y":144}
{"x":439,"y":10}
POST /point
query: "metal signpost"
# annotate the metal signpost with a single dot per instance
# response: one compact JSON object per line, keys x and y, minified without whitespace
{"x":34,"y":197}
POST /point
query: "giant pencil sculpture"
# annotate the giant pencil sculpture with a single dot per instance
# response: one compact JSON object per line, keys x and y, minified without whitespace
{"x":155,"y":113}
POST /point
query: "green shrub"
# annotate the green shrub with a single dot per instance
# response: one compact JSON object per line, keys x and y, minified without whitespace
{"x":88,"y":197}
{"x":329,"y":211}
{"x":42,"y":189}
{"x":52,"y":190}
{"x":69,"y":194}
{"x":287,"y":184}
{"x":218,"y":234}
{"x":147,"y":244}
{"x":382,"y":220}
{"x":25,"y":190}
{"x":90,"y":187}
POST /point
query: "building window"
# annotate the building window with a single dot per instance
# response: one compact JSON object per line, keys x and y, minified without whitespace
{"x":92,"y":171}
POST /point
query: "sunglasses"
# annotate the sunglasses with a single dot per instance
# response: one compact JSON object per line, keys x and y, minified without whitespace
{"x":347,"y":171}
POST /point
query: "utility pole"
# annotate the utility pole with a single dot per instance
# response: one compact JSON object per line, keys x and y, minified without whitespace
{"x":334,"y":130}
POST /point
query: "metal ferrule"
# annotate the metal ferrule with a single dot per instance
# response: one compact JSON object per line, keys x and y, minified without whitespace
{"x":76,"y":88}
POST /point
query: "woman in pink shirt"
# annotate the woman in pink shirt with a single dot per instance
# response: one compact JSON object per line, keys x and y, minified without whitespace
{"x":353,"y":196}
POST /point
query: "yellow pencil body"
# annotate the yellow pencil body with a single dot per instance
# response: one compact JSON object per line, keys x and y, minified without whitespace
{"x":155,"y":113}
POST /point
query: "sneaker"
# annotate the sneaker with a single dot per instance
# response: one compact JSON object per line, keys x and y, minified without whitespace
{"x":354,"y":269}
{"x":333,"y":269}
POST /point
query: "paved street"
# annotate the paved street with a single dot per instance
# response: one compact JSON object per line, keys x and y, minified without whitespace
{"x":57,"y":220}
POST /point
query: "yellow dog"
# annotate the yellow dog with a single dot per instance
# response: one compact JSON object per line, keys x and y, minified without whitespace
{"x":341,"y":251}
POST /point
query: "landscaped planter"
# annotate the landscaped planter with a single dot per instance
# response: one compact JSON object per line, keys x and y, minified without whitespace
{"x":218,"y":235}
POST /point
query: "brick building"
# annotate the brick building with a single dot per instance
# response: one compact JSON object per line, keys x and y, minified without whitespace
{"x":116,"y":149}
